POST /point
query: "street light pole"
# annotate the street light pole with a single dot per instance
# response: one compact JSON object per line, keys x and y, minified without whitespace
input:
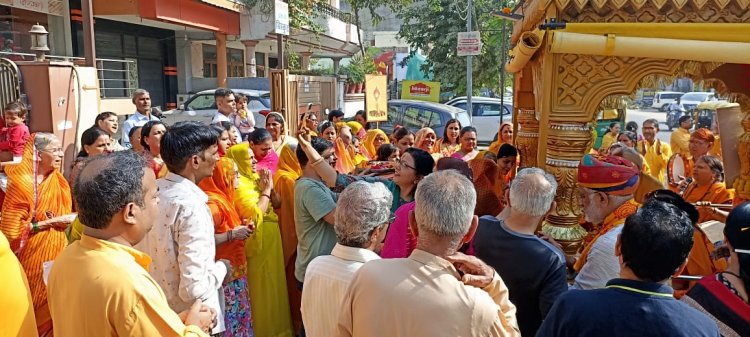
{"x":469,"y":73}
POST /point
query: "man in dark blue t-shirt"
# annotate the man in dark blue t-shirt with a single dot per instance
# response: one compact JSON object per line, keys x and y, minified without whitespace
{"x":533,"y":269}
{"x":654,"y":245}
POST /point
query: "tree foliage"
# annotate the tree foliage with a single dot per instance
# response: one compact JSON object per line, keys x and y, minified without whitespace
{"x":432,"y":26}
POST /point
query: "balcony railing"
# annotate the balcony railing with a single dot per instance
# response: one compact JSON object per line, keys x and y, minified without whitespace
{"x":117,"y":78}
{"x":329,"y":10}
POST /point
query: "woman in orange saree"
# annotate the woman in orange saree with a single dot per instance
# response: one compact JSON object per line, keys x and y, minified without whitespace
{"x":35,"y":214}
{"x":287,"y":174}
{"x":707,"y":186}
{"x":504,"y":136}
{"x":373,"y":139}
{"x":230,"y":233}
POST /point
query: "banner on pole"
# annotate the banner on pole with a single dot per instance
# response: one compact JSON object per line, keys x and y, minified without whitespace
{"x":376,"y":98}
{"x":469,"y":44}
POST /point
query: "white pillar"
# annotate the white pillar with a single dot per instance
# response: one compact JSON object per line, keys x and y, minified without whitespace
{"x":250,"y":62}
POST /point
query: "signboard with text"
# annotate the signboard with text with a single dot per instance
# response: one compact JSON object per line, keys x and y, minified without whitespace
{"x":376,"y":98}
{"x":469,"y":43}
{"x":41,"y":6}
{"x":281,"y":14}
{"x":421,"y":90}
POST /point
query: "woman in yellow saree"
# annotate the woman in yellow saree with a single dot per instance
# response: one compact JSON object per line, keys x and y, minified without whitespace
{"x":36,"y":211}
{"x":283,"y":183}
{"x":265,"y":256}
{"x":373,"y":139}
{"x":504,"y":136}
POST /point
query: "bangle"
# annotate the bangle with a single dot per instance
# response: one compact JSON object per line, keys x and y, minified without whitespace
{"x":317,"y":162}
{"x":229,"y":235}
{"x":34,"y":227}
{"x":266,"y":195}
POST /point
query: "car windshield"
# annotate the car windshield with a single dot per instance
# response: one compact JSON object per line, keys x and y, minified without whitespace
{"x":694,"y":97}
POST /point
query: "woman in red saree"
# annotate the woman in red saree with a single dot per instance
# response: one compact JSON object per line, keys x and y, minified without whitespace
{"x":35,"y":214}
{"x":151,"y":134}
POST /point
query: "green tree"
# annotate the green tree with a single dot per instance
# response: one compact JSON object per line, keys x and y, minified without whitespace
{"x":372,"y":5}
{"x":432,"y":26}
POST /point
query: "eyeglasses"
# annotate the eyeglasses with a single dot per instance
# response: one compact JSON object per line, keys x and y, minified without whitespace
{"x":401,"y":164}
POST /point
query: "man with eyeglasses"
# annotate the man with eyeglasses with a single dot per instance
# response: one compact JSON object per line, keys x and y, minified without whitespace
{"x":362,"y":215}
{"x":606,"y":185}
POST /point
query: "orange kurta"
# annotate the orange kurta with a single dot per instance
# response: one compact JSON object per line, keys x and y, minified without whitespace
{"x":20,"y":209}
{"x":699,"y":260}
{"x":283,"y":183}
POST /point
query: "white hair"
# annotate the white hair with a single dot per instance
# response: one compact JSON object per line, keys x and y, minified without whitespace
{"x":445,"y":202}
{"x":361,"y":208}
{"x":532,"y":191}
{"x":138,"y":92}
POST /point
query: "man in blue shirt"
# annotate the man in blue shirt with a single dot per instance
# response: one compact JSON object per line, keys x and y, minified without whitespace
{"x":142,"y":102}
{"x":654,"y":245}
{"x":533,"y":269}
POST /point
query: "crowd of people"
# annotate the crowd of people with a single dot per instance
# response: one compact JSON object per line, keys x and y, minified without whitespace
{"x":237,"y":229}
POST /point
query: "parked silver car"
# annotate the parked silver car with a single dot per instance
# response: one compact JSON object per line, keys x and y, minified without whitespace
{"x":415,"y":115}
{"x":487,"y":115}
{"x":202,"y":107}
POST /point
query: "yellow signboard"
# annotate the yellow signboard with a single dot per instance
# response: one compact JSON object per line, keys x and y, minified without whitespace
{"x":421,"y":90}
{"x":376,"y":98}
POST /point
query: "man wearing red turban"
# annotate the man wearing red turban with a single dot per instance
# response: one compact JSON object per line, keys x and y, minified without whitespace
{"x":606,"y":185}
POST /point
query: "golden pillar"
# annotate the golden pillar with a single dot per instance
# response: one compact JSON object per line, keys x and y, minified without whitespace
{"x":566,"y":144}
{"x":527,"y":137}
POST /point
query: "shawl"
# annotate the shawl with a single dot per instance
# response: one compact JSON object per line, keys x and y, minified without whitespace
{"x":220,"y":191}
{"x":617,"y":218}
{"x":369,"y":147}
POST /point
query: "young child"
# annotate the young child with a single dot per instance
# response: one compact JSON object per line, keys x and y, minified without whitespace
{"x":15,"y":133}
{"x":243,"y":119}
{"x":13,"y":137}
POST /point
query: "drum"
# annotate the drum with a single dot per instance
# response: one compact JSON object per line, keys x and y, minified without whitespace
{"x":678,"y":168}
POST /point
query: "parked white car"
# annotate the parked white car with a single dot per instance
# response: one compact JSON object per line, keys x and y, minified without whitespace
{"x":690,"y":100}
{"x":487,"y":115}
{"x":202,"y":107}
{"x":663,"y":99}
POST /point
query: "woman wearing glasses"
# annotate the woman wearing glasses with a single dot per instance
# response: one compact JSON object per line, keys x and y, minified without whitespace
{"x":724,"y":295}
{"x":36,"y":212}
{"x":413,"y":165}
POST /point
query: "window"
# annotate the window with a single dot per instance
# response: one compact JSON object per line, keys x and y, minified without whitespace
{"x":417,"y":118}
{"x":235,"y":62}
{"x":393,"y":112}
{"x":209,"y":61}
{"x":485,"y":109}
{"x":411,"y":118}
{"x":202,"y":102}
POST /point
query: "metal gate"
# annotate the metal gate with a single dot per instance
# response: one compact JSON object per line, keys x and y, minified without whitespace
{"x":10,"y":82}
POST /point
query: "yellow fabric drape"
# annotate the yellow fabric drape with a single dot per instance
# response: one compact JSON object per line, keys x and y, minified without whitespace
{"x":283,"y":183}
{"x":265,"y":256}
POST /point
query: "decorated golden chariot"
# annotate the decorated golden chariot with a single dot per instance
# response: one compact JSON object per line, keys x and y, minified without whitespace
{"x":574,"y":58}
